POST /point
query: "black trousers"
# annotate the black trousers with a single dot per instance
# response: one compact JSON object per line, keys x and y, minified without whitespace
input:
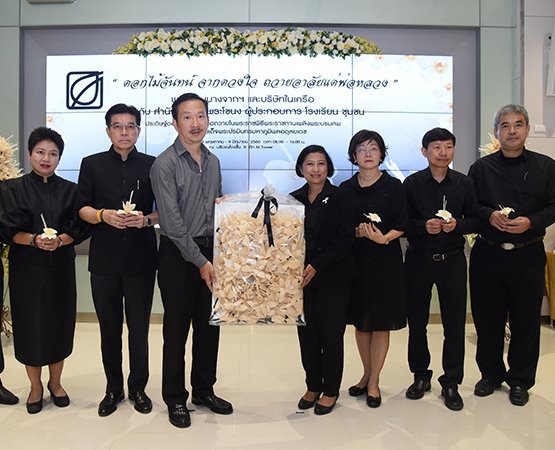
{"x":449,"y":276}
{"x":111,"y":296}
{"x":186,"y":300}
{"x":1,"y":309}
{"x":507,"y":284}
{"x":321,"y":340}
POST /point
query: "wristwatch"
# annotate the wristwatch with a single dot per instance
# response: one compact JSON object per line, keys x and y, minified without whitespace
{"x":148,"y":221}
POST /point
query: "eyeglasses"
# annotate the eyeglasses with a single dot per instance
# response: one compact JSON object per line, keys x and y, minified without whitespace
{"x":366,"y":148}
{"x":122,"y":126}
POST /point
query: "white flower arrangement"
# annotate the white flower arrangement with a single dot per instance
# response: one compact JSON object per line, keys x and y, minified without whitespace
{"x":229,"y":41}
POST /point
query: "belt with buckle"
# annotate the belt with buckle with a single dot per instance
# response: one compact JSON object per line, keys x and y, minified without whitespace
{"x":204,"y":241}
{"x":440,"y":256}
{"x":510,"y":245}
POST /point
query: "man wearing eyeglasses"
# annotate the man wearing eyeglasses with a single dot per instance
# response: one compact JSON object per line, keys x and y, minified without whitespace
{"x":115,"y":196}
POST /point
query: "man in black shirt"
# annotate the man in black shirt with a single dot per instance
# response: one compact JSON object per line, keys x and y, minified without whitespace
{"x":122,"y":257}
{"x":441,"y":204}
{"x":516,"y":197}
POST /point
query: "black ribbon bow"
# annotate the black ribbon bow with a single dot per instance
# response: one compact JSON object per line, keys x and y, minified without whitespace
{"x":267,"y":200}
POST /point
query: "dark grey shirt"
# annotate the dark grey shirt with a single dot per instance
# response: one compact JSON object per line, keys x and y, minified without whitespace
{"x":185,"y":197}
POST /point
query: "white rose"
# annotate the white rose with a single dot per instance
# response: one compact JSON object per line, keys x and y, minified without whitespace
{"x":319,"y":48}
{"x":373,"y":217}
{"x":177,"y":45}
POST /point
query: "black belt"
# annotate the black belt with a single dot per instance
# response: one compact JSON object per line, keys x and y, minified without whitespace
{"x":510,"y":245}
{"x":204,"y":241}
{"x":439,"y":256}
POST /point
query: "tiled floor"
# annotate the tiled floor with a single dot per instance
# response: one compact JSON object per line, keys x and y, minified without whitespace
{"x":260,"y":372}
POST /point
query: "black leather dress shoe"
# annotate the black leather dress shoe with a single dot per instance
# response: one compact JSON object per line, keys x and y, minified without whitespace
{"x":109,"y":403}
{"x":60,"y":401}
{"x":321,"y":410}
{"x":374,"y":402}
{"x":485,"y":387}
{"x":518,"y":395}
{"x":179,"y":415}
{"x":6,"y":397}
{"x":215,"y":403}
{"x":452,"y":398}
{"x":143,"y":403}
{"x":355,"y":391}
{"x":416,"y":390}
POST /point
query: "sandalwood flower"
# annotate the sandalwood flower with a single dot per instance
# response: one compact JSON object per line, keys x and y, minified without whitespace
{"x":506,"y":210}
{"x":375,"y":218}
{"x":128,"y":207}
{"x":444,"y":214}
{"x":49,"y":233}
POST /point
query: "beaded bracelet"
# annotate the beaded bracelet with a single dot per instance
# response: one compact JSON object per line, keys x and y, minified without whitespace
{"x":32,"y":241}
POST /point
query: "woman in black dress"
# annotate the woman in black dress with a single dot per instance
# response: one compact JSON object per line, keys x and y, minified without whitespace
{"x":42,"y":265}
{"x":327,"y":278}
{"x":378,"y":298}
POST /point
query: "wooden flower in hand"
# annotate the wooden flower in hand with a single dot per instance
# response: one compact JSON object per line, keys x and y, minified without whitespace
{"x":128,"y":207}
{"x":375,"y":218}
{"x":506,"y":210}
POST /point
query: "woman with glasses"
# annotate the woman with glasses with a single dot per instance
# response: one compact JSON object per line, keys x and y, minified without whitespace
{"x":39,"y":220}
{"x":378,"y":297}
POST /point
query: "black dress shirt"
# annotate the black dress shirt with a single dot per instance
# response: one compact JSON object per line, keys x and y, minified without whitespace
{"x":106,"y":181}
{"x":329,"y":234}
{"x":424,"y":199}
{"x":525,"y":183}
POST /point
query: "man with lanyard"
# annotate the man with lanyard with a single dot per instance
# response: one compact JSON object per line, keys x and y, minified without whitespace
{"x":516,"y":197}
{"x":186,"y":180}
{"x":441,"y":205}
{"x":122,"y":257}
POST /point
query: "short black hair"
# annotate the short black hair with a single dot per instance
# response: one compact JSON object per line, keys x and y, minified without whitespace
{"x":313,"y":149}
{"x":45,"y":134}
{"x":185,"y":98}
{"x":122,"y":108}
{"x":438,"y":134}
{"x":362,"y":136}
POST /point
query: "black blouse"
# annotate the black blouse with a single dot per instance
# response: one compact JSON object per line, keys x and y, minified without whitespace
{"x":24,"y":199}
{"x":329,"y":234}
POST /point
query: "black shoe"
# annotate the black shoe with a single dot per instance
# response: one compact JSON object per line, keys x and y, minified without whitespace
{"x":109,"y":403}
{"x":61,"y":402}
{"x":143,"y":404}
{"x":35,"y":407}
{"x":306,"y":404}
{"x":452,"y":398}
{"x":179,"y":415}
{"x":416,"y":390}
{"x":374,"y":402}
{"x":321,"y":410}
{"x":215,"y":403}
{"x":518,"y":395}
{"x":485,"y":387}
{"x":6,"y":397}
{"x":355,"y":391}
